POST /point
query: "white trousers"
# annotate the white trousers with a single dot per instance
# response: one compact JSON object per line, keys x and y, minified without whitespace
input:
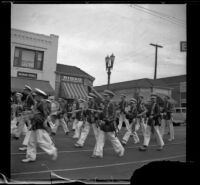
{"x":162,"y":127}
{"x":78,"y":129}
{"x":26,"y":138}
{"x":169,"y":124}
{"x":85,"y":132}
{"x":113,"y":139}
{"x":75,"y":122}
{"x":39,"y":137}
{"x":59,"y":122}
{"x":122,"y":119}
{"x":147,"y":136}
{"x":132,"y":131}
{"x":96,"y":134}
{"x":21,"y":128}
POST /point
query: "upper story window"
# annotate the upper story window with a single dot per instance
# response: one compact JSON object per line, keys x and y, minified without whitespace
{"x":28,"y":58}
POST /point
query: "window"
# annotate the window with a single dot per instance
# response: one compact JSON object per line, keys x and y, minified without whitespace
{"x":28,"y":58}
{"x":183,"y":95}
{"x":178,"y":110}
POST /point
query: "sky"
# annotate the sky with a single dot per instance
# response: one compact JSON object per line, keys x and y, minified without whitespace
{"x":89,"y":32}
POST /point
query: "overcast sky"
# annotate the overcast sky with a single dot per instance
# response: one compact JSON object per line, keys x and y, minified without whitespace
{"x":88,"y":33}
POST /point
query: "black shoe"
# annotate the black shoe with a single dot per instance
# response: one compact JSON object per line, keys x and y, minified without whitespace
{"x":66,"y":133}
{"x":143,"y":148}
{"x":160,"y":148}
{"x":123,"y":144}
{"x":16,"y":138}
{"x":53,"y":133}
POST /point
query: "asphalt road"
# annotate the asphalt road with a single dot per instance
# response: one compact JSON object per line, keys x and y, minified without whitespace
{"x":75,"y":163}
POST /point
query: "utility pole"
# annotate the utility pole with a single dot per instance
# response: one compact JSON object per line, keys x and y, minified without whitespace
{"x":156,"y":46}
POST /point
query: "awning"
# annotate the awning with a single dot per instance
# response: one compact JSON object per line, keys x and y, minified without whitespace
{"x":73,"y":90}
{"x":17,"y":84}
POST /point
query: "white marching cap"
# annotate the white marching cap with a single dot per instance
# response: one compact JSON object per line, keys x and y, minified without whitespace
{"x":40,"y":92}
{"x":28,"y":87}
{"x":133,"y":100}
{"x":19,"y":94}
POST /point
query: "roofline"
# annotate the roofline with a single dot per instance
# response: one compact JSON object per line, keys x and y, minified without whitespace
{"x":34,"y":33}
{"x":76,"y":75}
{"x":86,"y":75}
{"x":172,"y":76}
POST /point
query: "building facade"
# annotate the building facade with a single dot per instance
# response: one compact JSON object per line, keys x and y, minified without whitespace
{"x":72,"y":82}
{"x":178,"y":85}
{"x":135,"y":87}
{"x":33,"y":60}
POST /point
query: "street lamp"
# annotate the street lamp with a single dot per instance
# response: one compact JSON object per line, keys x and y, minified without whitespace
{"x":109,"y":66}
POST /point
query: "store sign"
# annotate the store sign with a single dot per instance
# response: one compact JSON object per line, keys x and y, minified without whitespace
{"x":27,"y":75}
{"x":72,"y":79}
{"x":183,"y":46}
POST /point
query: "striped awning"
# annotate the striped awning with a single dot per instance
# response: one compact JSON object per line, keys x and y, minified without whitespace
{"x":73,"y":90}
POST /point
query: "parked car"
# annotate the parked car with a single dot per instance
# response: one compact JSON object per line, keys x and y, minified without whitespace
{"x":179,"y":116}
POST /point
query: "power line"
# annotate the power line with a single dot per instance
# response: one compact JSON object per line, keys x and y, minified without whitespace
{"x":172,"y":21}
{"x":158,"y":14}
{"x":161,"y":14}
{"x":161,"y":17}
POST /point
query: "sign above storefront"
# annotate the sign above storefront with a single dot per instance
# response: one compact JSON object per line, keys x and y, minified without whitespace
{"x":72,"y":79}
{"x":27,"y":75}
{"x":183,"y":45}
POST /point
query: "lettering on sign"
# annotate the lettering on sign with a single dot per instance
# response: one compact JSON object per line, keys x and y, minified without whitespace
{"x":27,"y":75}
{"x":183,"y":46}
{"x":72,"y":79}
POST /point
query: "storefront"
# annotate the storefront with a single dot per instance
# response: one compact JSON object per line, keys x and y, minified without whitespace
{"x":71,"y":82}
{"x":33,"y":61}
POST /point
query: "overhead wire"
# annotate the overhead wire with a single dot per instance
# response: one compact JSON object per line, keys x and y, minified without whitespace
{"x":161,"y":14}
{"x":161,"y":17}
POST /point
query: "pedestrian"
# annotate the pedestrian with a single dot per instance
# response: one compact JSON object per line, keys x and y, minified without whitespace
{"x":153,"y":123}
{"x":39,"y":130}
{"x":167,"y":118}
{"x":108,"y":127}
{"x":122,"y":117}
{"x":131,"y":115}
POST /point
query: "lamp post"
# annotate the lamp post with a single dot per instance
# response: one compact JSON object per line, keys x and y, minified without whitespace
{"x":109,"y":66}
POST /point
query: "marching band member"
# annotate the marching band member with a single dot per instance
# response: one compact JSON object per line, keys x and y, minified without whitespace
{"x":75,"y":106}
{"x":108,"y":127}
{"x":153,"y":124}
{"x":19,"y":119}
{"x":167,"y":116}
{"x":140,"y":121}
{"x":80,"y":117}
{"x":39,"y":130}
{"x":122,"y":116}
{"x":59,"y":117}
{"x":131,"y":115}
{"x":28,"y":105}
{"x":90,"y":120}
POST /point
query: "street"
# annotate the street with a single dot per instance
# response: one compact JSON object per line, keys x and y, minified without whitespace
{"x":75,"y":163}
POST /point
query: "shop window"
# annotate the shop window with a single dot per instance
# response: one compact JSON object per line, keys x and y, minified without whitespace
{"x":28,"y":58}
